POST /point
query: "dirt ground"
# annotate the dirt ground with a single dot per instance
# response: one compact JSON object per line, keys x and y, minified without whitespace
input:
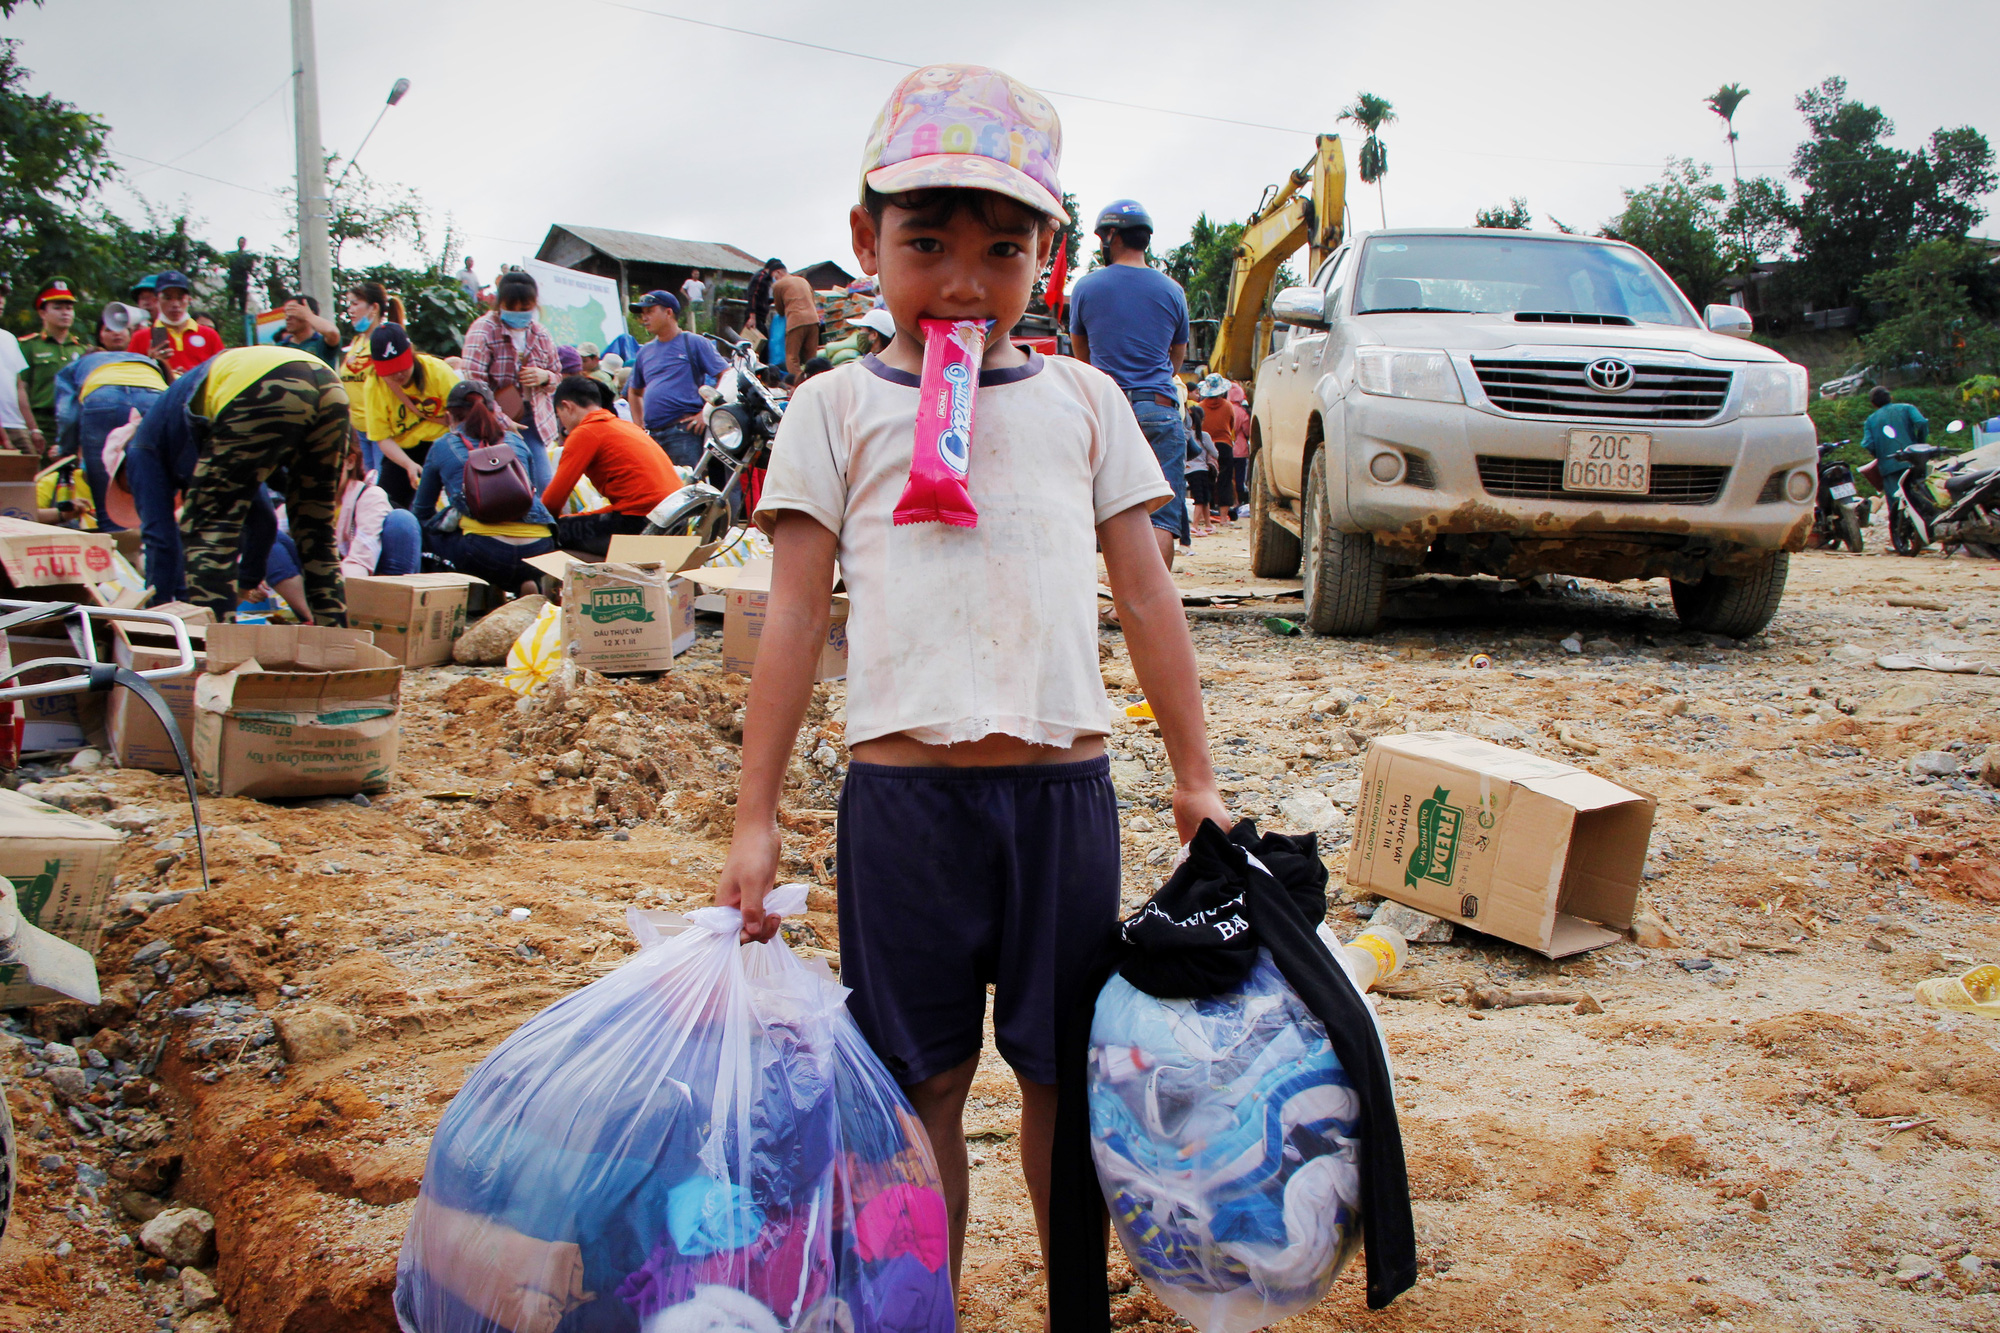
{"x":1759,"y":1131}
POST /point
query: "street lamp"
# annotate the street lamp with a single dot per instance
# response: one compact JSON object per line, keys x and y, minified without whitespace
{"x":396,"y":92}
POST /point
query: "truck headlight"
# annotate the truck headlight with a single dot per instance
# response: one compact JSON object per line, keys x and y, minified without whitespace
{"x":1395,"y":373}
{"x":1773,"y":390}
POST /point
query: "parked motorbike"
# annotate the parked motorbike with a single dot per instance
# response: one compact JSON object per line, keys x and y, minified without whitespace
{"x":1839,"y":514}
{"x":1971,"y":520}
{"x":1912,"y":503}
{"x":739,"y":422}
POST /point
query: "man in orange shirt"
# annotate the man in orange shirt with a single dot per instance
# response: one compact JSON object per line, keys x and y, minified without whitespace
{"x":175,"y":339}
{"x":792,"y":297}
{"x":622,"y":462}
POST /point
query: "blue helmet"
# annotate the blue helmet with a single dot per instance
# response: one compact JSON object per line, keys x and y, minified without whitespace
{"x":1122,"y":213}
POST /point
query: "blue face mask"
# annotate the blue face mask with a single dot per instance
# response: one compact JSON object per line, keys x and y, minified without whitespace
{"x":363,"y":324}
{"x":516,"y":319}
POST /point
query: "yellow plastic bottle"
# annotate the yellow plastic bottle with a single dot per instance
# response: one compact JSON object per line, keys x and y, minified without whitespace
{"x":1373,"y":956}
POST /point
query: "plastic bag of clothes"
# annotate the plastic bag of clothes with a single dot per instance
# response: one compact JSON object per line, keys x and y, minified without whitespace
{"x":537,"y":654}
{"x":700,"y":1142}
{"x":1223,"y":1133}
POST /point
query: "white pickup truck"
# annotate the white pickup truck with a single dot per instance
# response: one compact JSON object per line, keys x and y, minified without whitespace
{"x":1513,"y":403}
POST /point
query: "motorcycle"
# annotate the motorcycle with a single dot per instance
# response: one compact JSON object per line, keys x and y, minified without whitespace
{"x":1971,"y":519}
{"x":739,"y":422}
{"x":1838,"y":515}
{"x":1912,"y":502}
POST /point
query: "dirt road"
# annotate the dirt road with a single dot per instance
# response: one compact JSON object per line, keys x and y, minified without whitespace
{"x":1760,"y":1130}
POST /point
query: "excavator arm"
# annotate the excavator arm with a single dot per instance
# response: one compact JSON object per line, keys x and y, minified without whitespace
{"x":1306,"y":210}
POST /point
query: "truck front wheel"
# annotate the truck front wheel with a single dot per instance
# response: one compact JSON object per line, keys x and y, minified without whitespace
{"x":1738,"y":605}
{"x":1274,"y":551}
{"x":1343,"y":576}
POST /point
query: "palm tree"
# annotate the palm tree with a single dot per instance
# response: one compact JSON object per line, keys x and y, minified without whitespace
{"x":1724,"y":103}
{"x":1371,"y":113}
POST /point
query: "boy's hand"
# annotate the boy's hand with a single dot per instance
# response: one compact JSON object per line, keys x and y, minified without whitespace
{"x":1193,"y":806}
{"x":748,"y":874}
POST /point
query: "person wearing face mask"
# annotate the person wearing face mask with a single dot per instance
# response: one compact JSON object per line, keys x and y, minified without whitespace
{"x":510,"y":354}
{"x":175,"y":339}
{"x":369,"y":306}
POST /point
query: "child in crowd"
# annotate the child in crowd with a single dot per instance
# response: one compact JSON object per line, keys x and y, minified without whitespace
{"x":979,"y":833}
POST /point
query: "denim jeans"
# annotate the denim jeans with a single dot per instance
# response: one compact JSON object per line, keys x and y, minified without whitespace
{"x":499,"y":562}
{"x":683,"y":446}
{"x":402,"y":544}
{"x":153,"y":491}
{"x":1167,"y":433}
{"x":103,"y":412}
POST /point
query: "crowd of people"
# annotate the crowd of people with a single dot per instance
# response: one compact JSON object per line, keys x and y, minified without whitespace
{"x":260,"y":477}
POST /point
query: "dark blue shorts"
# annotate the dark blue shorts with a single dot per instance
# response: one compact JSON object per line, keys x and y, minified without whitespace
{"x":954,"y":879}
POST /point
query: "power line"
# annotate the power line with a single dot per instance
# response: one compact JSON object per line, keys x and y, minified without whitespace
{"x":905,"y":64}
{"x":254,"y":107}
{"x":249,"y":189}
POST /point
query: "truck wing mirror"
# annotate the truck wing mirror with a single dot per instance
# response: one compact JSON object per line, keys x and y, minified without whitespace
{"x":1303,"y":306}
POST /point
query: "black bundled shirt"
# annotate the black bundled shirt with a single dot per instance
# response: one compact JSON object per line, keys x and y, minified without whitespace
{"x":1198,"y":937}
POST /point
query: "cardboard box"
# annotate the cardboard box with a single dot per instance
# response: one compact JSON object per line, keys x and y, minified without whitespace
{"x":137,"y":739}
{"x":55,"y":721}
{"x":17,"y":486}
{"x":415,"y":618}
{"x":631,"y":612}
{"x":59,"y":866}
{"x":746,"y":593}
{"x":1504,"y":841}
{"x":295,"y":710}
{"x":35,"y":555}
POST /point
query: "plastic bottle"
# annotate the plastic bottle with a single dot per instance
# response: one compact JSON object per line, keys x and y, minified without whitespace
{"x":1373,"y":956}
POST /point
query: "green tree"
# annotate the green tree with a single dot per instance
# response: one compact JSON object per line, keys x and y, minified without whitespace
{"x":1202,"y":265}
{"x":1371,"y":113}
{"x":1762,"y":218}
{"x":1723,"y":102}
{"x":53,"y":158}
{"x":1866,"y":204}
{"x":1679,"y":222}
{"x":1514,"y":216}
{"x":1931,"y":322}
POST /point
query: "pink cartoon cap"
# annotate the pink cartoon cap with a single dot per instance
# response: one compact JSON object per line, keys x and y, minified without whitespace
{"x":967,"y":127}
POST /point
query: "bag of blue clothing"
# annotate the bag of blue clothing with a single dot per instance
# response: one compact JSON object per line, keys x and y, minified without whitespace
{"x":1229,"y":1140}
{"x":700,"y":1142}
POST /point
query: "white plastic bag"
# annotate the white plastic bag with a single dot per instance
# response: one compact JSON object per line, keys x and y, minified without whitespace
{"x":699,"y":1141}
{"x":537,"y":653}
{"x":1223,"y":1135}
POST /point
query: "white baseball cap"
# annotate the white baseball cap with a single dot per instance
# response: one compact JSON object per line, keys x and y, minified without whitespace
{"x":878,"y":320}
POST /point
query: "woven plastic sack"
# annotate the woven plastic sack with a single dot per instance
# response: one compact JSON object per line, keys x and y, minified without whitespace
{"x":700,"y":1142}
{"x":1223,"y":1131}
{"x":538,"y":653}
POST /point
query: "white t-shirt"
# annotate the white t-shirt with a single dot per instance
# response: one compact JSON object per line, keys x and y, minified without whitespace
{"x":694,"y":290}
{"x":12,"y":366}
{"x":959,"y":633}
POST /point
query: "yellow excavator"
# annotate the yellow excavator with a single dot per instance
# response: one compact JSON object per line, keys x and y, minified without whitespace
{"x":1307,"y":209}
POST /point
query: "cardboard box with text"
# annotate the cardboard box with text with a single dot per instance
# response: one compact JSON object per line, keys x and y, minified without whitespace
{"x":415,"y":618}
{"x":35,"y":555}
{"x":296,"y":710}
{"x":631,"y":612}
{"x":1504,"y":841}
{"x":60,"y":865}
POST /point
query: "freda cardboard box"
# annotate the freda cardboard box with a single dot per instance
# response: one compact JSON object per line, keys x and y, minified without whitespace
{"x":59,"y":868}
{"x":415,"y":618}
{"x":1504,"y":841}
{"x":35,"y":555}
{"x":631,"y":612}
{"x":137,"y":738}
{"x":295,"y":710}
{"x":746,"y":594}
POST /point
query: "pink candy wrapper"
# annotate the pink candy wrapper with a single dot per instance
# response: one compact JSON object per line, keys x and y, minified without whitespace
{"x":936,"y":492}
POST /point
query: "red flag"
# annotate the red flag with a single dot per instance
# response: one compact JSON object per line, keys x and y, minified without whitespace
{"x":1053,"y":296}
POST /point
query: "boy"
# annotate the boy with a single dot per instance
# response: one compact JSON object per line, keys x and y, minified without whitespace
{"x":978,"y":826}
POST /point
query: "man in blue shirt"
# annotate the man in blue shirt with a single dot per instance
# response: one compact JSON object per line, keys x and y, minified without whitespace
{"x":1131,"y":322}
{"x":667,"y":378}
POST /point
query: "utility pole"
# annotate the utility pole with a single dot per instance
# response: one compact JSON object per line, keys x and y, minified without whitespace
{"x":315,"y":253}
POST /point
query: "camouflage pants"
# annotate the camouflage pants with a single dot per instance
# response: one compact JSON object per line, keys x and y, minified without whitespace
{"x":292,"y":419}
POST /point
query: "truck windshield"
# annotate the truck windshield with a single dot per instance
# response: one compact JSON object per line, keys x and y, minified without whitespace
{"x":1502,"y":274}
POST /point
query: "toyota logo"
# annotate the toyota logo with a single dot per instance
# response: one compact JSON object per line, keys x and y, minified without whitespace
{"x":1609,"y":375}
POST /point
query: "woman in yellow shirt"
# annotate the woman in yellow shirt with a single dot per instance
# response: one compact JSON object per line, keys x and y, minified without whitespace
{"x":406,"y":391}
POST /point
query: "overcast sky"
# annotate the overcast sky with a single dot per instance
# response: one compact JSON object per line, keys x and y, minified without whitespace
{"x":523,"y":114}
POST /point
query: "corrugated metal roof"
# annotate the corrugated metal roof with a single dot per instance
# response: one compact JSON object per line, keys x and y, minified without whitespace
{"x":638,"y":247}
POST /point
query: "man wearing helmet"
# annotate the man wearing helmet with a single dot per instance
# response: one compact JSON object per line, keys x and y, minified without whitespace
{"x":1131,"y":321}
